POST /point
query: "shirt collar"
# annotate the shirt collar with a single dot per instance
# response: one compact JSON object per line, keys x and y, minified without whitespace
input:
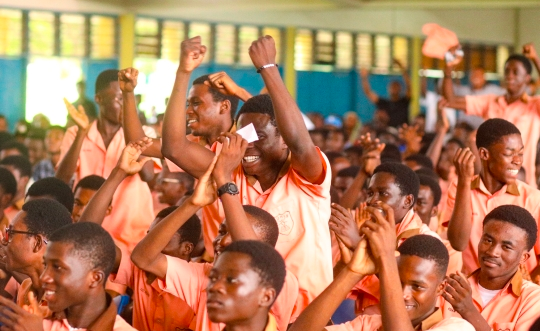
{"x":525,"y":98}
{"x":478,"y":184}
{"x":284,"y":169}
{"x":515,"y":283}
{"x":104,"y":322}
{"x":432,"y":319}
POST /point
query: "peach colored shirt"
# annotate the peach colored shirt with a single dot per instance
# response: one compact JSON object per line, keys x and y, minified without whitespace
{"x":435,"y":321}
{"x":153,"y":308}
{"x":482,"y":202}
{"x":515,"y":308}
{"x":132,"y":210}
{"x":523,"y":113}
{"x":188,"y":282}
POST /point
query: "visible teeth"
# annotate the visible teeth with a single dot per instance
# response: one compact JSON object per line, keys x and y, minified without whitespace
{"x":49,"y":292}
{"x":191,"y":121}
{"x":251,"y":158}
{"x":514,"y":172}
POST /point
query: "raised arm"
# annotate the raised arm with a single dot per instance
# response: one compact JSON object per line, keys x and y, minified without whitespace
{"x":530,"y":52}
{"x":448,"y":87}
{"x":459,"y":227}
{"x":133,"y":130}
{"x":68,"y":165}
{"x":147,"y":254}
{"x":225,"y":85}
{"x":190,"y":156}
{"x":305,"y":158}
{"x":412,"y":136}
{"x":406,"y":78}
{"x":372,"y":96}
{"x":441,"y":128}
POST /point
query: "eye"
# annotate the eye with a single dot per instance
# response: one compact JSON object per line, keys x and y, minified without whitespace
{"x":370,"y":194}
{"x":232,"y":280}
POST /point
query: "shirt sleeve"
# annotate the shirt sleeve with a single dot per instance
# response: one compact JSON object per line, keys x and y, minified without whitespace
{"x":360,"y":323}
{"x":124,"y":275}
{"x":452,"y":324}
{"x":314,"y":190}
{"x":478,"y":104}
{"x":450,"y":203}
{"x":185,"y":280}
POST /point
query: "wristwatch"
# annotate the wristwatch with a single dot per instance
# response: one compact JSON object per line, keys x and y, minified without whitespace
{"x":229,"y":188}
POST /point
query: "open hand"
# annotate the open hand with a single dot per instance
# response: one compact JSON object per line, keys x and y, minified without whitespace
{"x":192,"y":54}
{"x":15,"y":318}
{"x":78,"y":115}
{"x":371,"y":153}
{"x":381,"y":232}
{"x":458,"y":293}
{"x":129,"y":160}
{"x":232,"y":152}
{"x":205,"y":192}
{"x":127,"y":78}
{"x":344,"y":226}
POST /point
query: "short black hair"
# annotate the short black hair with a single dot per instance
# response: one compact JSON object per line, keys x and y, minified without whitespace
{"x":404,"y":177}
{"x":322,"y":131}
{"x":535,"y":326}
{"x":265,"y":222}
{"x":520,"y":58}
{"x":465,"y":126}
{"x":332,"y":156}
{"x":351,"y":171}
{"x":36,"y":134}
{"x":14,"y":144}
{"x":90,"y":242}
{"x":259,"y":104}
{"x":428,"y":248}
{"x":91,"y":182}
{"x":45,"y":216}
{"x":218,"y":96}
{"x":56,"y":127}
{"x":190,"y":231}
{"x":355,"y":149}
{"x":517,"y":216}
{"x":20,"y":163}
{"x":8,"y":183}
{"x":421,"y":160}
{"x":265,"y":260}
{"x":105,"y":78}
{"x":455,"y":141}
{"x":433,"y":186}
{"x":54,"y":188}
{"x":427,"y":172}
{"x":390,"y":153}
{"x":493,"y":130}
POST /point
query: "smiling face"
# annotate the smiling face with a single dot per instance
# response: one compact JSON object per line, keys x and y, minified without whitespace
{"x":422,"y":283}
{"x":19,"y":251}
{"x":424,"y":204}
{"x":110,"y":103}
{"x":516,"y":77}
{"x":235,"y":291}
{"x":501,"y":249}
{"x":202,"y":112}
{"x":503,"y":159}
{"x":267,"y":154}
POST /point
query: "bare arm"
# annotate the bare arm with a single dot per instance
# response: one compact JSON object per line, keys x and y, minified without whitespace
{"x":448,"y":90}
{"x":530,"y":52}
{"x":372,"y":96}
{"x":225,"y":85}
{"x":305,"y":157}
{"x":191,"y":157}
{"x":459,"y":227}
{"x":406,"y":78}
{"x":442,"y":126}
{"x":133,"y":130}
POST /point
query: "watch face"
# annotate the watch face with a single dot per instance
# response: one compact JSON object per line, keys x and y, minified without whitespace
{"x":232,"y":188}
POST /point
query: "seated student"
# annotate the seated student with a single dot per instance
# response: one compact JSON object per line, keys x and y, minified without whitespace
{"x":153,"y":308}
{"x":188,"y":280}
{"x":410,"y":284}
{"x":417,"y":161}
{"x":171,"y":187}
{"x":51,"y":188}
{"x":427,"y":204}
{"x":35,"y":142}
{"x":25,"y":242}
{"x":260,"y":272}
{"x":496,"y":297}
{"x":472,"y":197}
{"x":13,"y":147}
{"x":8,"y":189}
{"x":83,"y":192}
{"x":53,"y":140}
{"x":77,"y":262}
{"x":344,"y":179}
{"x":21,"y":169}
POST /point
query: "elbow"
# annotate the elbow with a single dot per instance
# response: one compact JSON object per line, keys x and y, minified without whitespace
{"x":139,"y":259}
{"x":457,"y":242}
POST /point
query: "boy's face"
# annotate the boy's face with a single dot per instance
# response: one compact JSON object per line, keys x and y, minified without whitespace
{"x":110,"y":102}
{"x":223,"y":239}
{"x":53,"y":140}
{"x":19,"y":248}
{"x":67,"y":278}
{"x":202,"y":112}
{"x":174,"y":246}
{"x":335,"y":141}
{"x":504,"y":158}
{"x":424,"y":204}
{"x":235,"y":292}
{"x":341,"y":184}
{"x":169,"y":188}
{"x":421,"y":284}
{"x":501,"y":249}
{"x":382,"y":187}
{"x":82,"y":197}
{"x":36,"y":150}
{"x":515,"y":76}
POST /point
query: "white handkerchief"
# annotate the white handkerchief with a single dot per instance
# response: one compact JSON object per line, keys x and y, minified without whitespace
{"x":248,"y":133}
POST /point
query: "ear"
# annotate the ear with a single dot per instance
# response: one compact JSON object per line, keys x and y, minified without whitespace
{"x":39,"y":244}
{"x":484,"y":153}
{"x":97,"y":98}
{"x":225,"y":107}
{"x":97,"y":278}
{"x":440,"y":287}
{"x":526,"y":255}
{"x":186,"y":248}
{"x":409,"y":201}
{"x":434,"y":211}
{"x":268,"y":296}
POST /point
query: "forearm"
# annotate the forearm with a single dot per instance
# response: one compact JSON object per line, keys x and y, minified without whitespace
{"x":474,"y":317}
{"x":96,"y":209}
{"x":368,"y":92}
{"x":316,"y":316}
{"x":237,"y":222}
{"x":459,"y":227}
{"x":448,"y":92}
{"x":434,"y":150}
{"x":150,"y":247}
{"x":133,"y":130}
{"x":243,"y":95}
{"x":350,"y":197}
{"x":147,"y":171}
{"x":536,"y":63}
{"x":68,"y":164}
{"x":407,"y":80}
{"x":393,"y":312}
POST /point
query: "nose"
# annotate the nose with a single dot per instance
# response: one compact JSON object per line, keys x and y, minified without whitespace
{"x":46,"y":276}
{"x":374,"y":198}
{"x":407,"y":295}
{"x":493,"y":251}
{"x":517,"y":159}
{"x":216,"y":286}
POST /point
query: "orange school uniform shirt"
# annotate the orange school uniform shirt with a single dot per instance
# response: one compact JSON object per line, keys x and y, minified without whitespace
{"x":515,"y":308}
{"x":132,"y":210}
{"x":434,"y":322}
{"x":482,"y":202}
{"x":153,"y":308}
{"x":523,"y":113}
{"x":188,"y":281}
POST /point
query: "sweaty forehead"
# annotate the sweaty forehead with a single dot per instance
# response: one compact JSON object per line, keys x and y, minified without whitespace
{"x":200,"y":91}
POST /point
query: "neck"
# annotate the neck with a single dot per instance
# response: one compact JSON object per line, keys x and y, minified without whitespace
{"x":511,"y":97}
{"x":494,"y":283}
{"x":257,"y":323}
{"x":419,"y":321}
{"x":492,"y":184}
{"x":214,"y":135}
{"x":84,"y":314}
{"x":107,"y":130}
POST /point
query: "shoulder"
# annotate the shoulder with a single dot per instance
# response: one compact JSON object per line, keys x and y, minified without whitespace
{"x":451,"y":324}
{"x":121,"y":325}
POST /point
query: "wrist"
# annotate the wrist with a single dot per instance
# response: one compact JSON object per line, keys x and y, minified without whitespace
{"x":222,"y":180}
{"x":128,"y":92}
{"x":119,"y":172}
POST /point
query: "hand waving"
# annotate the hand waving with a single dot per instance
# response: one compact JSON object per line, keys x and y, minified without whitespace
{"x":371,"y":155}
{"x":78,"y":115}
{"x":127,"y":79}
{"x":129,"y":160}
{"x":206,"y":190}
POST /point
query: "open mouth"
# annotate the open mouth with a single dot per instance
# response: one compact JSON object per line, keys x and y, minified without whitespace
{"x":513,"y":172}
{"x":49,"y":294}
{"x":251,"y":158}
{"x":189,"y":122}
{"x":409,"y":307}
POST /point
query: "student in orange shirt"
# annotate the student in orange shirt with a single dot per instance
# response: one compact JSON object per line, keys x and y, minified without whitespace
{"x":83,"y":192}
{"x":427,"y":204}
{"x":153,"y":308}
{"x":51,"y":188}
{"x":496,"y":297}
{"x":25,"y":242}
{"x":410,"y":283}
{"x":77,"y":262}
{"x":501,"y":151}
{"x":8,"y":189}
{"x":188,"y":280}
{"x":21,"y":169}
{"x":243,"y":284}
{"x":283,"y":172}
